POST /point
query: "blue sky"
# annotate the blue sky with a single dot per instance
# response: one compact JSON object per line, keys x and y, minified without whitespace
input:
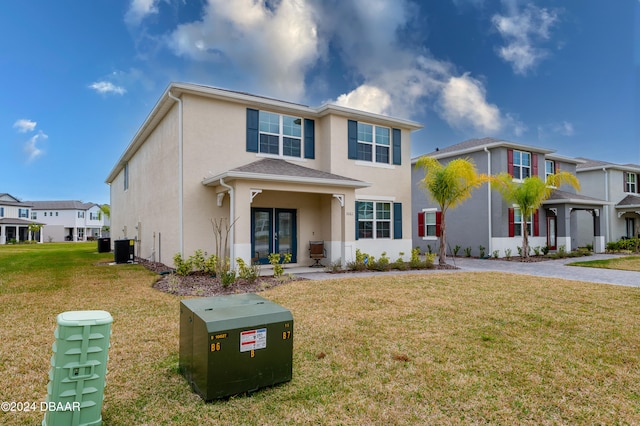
{"x":80,"y":77}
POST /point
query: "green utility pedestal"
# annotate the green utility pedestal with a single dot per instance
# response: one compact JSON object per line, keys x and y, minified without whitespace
{"x":234,"y":344}
{"x":78,"y":368}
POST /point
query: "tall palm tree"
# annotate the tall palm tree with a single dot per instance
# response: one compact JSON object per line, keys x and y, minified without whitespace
{"x":449,"y":186}
{"x":529,"y":194}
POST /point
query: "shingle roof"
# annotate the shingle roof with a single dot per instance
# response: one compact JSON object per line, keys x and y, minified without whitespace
{"x":474,"y":145}
{"x":595,"y":164}
{"x":16,"y":221}
{"x":274,"y":166}
{"x":628,"y":201}
{"x":61,"y":205}
{"x":470,"y":143}
{"x":558,"y":195}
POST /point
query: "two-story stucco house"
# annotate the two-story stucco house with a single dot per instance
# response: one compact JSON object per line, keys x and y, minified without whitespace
{"x":282,"y":173}
{"x":487,"y":220}
{"x":68,"y":220}
{"x":15,"y":218}
{"x":618,"y":185}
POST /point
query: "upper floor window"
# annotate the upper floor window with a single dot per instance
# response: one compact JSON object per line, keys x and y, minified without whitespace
{"x":549,"y":168}
{"x":23,"y":213}
{"x":521,"y":164}
{"x":34,"y":215}
{"x":1,"y":211}
{"x":373,"y":143}
{"x":126,"y":176}
{"x":94,"y":216}
{"x":630,"y":182}
{"x":280,"y":135}
{"x":80,"y":215}
{"x":45,"y":214}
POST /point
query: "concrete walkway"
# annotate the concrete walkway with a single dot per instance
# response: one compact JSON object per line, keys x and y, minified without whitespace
{"x":548,"y":268}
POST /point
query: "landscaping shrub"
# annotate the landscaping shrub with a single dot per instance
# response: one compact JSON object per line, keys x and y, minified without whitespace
{"x":183,"y":267}
{"x":248,"y":272}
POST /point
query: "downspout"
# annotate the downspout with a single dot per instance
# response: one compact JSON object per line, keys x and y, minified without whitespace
{"x":232,"y":232}
{"x":489,"y":200}
{"x":180,"y":175}
{"x":606,"y":209}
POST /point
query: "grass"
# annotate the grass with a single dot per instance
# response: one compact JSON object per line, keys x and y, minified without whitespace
{"x":436,"y":348}
{"x":626,"y":263}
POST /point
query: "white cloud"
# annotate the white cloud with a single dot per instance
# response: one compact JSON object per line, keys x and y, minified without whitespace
{"x":463,"y":102}
{"x":23,"y":125}
{"x":367,"y":98}
{"x":565,"y":128}
{"x":277,"y":45}
{"x":106,"y":87}
{"x":139,"y":9}
{"x":522,"y":31}
{"x":31,"y":148}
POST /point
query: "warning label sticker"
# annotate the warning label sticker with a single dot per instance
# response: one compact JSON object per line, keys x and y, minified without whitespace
{"x":253,"y":339}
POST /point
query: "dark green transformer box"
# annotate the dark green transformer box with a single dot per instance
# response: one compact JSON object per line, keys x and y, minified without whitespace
{"x":234,"y":344}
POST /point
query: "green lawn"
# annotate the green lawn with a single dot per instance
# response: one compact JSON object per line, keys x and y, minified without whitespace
{"x":432,"y":348}
{"x":626,"y":263}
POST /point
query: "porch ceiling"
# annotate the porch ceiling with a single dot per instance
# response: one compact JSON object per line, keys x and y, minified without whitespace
{"x":277,"y":170}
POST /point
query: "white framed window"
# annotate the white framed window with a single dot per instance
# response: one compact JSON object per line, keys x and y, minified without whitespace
{"x":373,"y":143}
{"x":34,"y":215}
{"x":549,"y":168}
{"x":23,"y":213}
{"x":126,"y":176}
{"x":280,"y":135}
{"x":430,"y":223}
{"x":518,"y":222}
{"x":80,"y":215}
{"x":631,"y":182}
{"x":374,"y":219}
{"x":521,"y":164}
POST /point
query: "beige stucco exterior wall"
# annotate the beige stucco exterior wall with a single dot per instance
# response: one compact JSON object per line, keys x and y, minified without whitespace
{"x":151,"y":201}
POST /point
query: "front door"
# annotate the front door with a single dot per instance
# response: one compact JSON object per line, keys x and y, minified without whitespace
{"x":273,"y":231}
{"x":551,"y":232}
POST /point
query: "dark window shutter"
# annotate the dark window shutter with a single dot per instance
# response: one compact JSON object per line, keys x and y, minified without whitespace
{"x":397,"y":143}
{"x":512,"y":231}
{"x":357,"y":217}
{"x":352,"y":150}
{"x":534,"y":164}
{"x":397,"y":221}
{"x":536,"y":224}
{"x":309,"y":139}
{"x":421,"y":232}
{"x":510,"y":162}
{"x":438,"y":223}
{"x":253,"y":123}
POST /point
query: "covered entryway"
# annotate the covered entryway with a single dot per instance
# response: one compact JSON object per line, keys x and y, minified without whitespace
{"x":273,"y":230}
{"x":279,"y":207}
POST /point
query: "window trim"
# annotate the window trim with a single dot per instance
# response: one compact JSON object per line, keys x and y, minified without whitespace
{"x":281,"y":136}
{"x":374,"y":220}
{"x":426,"y":236}
{"x":630,"y":187}
{"x":374,"y":144}
{"x":519,"y":165}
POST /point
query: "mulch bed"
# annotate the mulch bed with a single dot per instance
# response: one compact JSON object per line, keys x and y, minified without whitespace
{"x":204,"y":285}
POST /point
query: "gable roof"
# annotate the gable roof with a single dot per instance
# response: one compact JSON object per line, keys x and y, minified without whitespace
{"x":274,"y":169}
{"x":474,"y":145}
{"x":629,"y":201}
{"x":61,"y":205}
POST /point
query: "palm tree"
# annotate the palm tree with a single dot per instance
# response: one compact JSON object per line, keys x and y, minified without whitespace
{"x":529,"y":194}
{"x":449,"y":186}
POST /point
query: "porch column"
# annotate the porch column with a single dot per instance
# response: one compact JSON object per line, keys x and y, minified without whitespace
{"x":3,"y":234}
{"x":564,"y":227}
{"x":598,"y":238}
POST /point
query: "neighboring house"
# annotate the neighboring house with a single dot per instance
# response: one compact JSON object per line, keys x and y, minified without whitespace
{"x":68,"y":220}
{"x":487,"y":220}
{"x":618,"y":184}
{"x":284,"y":174}
{"x":15,"y":218}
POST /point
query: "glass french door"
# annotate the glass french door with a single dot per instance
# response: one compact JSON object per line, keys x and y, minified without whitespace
{"x":273,"y":231}
{"x":551,"y":232}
